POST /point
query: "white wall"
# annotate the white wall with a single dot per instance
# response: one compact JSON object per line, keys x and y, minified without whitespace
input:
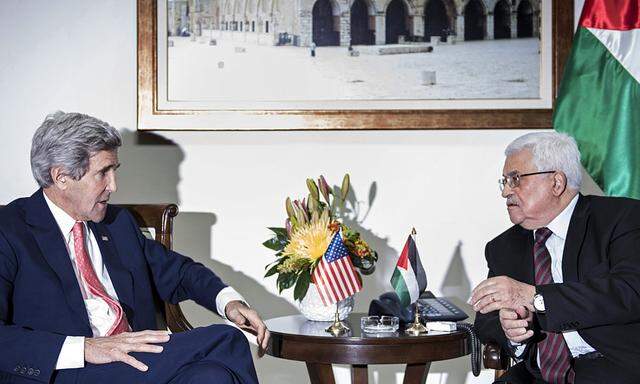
{"x":78,"y":55}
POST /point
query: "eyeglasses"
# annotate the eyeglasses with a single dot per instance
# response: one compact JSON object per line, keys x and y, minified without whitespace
{"x":513,"y":179}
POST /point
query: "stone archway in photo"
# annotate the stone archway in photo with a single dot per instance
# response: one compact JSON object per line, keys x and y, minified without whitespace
{"x":396,"y":21}
{"x":525,"y":19}
{"x":360,"y":32}
{"x":502,"y":20}
{"x":475,"y":22}
{"x":324,"y":34}
{"x":436,"y":19}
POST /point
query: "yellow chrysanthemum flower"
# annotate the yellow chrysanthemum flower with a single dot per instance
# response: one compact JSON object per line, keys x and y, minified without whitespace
{"x":310,"y":241}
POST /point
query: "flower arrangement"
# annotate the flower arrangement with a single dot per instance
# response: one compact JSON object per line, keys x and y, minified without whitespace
{"x":310,"y":225}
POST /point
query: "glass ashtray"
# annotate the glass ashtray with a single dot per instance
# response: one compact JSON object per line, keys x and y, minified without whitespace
{"x":379,"y":324}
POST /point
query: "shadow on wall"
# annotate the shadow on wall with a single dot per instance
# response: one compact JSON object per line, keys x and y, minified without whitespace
{"x":150,"y":173}
{"x":589,"y":187}
{"x":353,"y":214}
{"x":193,"y":238}
{"x":456,"y":286}
{"x":456,"y":283}
{"x":150,"y":170}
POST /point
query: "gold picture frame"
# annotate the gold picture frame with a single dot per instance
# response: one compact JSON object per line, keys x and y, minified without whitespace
{"x":152,"y":115}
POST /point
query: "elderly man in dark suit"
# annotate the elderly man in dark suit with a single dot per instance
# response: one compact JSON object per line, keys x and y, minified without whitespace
{"x":563,"y":291}
{"x":77,"y":280}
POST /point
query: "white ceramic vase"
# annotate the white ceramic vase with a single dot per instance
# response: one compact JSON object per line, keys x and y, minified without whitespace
{"x":312,"y":308}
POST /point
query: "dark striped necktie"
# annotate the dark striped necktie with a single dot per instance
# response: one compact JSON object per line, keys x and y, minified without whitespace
{"x":553,"y":351}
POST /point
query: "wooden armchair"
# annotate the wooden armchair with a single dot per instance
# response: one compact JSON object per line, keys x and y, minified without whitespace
{"x":494,"y":357}
{"x":160,"y":218}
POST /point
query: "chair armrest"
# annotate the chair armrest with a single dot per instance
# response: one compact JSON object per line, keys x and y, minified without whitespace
{"x":176,"y":321}
{"x":494,"y":357}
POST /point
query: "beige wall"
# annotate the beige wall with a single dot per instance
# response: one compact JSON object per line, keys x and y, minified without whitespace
{"x":79,"y":55}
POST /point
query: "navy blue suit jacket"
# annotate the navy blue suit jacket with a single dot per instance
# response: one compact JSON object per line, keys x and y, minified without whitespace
{"x":40,"y":299}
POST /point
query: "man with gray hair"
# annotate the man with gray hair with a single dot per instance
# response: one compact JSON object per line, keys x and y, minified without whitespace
{"x":563,"y":292}
{"x":78,"y":279}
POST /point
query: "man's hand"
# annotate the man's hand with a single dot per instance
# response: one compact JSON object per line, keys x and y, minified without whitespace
{"x":248,"y":319}
{"x":102,"y":350}
{"x":502,"y":292}
{"x":515,"y":324}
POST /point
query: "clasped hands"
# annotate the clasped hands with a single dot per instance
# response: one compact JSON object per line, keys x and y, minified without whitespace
{"x":513,"y":300}
{"x":108,"y":349}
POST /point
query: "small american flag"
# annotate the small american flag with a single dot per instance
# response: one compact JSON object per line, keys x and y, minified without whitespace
{"x":334,"y":276}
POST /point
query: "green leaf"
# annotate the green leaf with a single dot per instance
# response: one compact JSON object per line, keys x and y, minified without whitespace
{"x":286,"y":281}
{"x":280,"y":232}
{"x":274,"y":244}
{"x":304,"y":278}
{"x":273,"y":270}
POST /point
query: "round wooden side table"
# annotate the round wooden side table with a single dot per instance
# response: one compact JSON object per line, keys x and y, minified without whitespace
{"x":296,"y":338}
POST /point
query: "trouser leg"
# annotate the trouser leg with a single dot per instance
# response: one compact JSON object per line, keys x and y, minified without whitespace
{"x":218,"y":344}
{"x":204,"y":372}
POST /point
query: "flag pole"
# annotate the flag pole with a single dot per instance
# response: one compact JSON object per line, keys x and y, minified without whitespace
{"x":338,"y":328}
{"x":416,"y":328}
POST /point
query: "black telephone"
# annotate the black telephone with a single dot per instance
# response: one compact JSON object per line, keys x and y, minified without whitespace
{"x":439,"y":309}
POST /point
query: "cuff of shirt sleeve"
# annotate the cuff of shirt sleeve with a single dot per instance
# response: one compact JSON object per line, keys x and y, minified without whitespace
{"x":225,"y":296}
{"x":517,"y":348}
{"x":72,"y":353}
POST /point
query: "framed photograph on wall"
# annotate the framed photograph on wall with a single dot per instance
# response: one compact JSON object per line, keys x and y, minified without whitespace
{"x":350,"y":64}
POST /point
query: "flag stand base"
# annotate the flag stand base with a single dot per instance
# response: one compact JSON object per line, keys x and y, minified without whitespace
{"x":338,"y":328}
{"x":416,"y":328}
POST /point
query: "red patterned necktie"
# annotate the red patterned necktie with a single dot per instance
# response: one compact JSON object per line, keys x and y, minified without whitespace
{"x":553,"y":351}
{"x":94,"y":285}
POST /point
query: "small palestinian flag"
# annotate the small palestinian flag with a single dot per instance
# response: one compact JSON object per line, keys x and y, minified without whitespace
{"x":409,"y":279}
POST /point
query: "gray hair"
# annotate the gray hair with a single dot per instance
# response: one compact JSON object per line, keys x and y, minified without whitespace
{"x":551,"y":151}
{"x":68,"y":140}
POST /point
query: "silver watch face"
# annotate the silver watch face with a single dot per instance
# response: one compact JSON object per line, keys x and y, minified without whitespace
{"x":538,"y":302}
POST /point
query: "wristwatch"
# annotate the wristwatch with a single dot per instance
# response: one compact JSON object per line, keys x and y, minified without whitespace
{"x":538,"y":303}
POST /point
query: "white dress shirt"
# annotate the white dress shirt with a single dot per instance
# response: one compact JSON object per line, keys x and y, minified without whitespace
{"x":101,"y":316}
{"x":555,"y":244}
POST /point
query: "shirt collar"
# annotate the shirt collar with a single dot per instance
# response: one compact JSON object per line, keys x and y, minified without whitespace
{"x":560,"y":224}
{"x":64,"y":221}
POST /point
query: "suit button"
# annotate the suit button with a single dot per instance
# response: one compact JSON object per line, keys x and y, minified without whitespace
{"x":36,"y":372}
{"x":30,"y":372}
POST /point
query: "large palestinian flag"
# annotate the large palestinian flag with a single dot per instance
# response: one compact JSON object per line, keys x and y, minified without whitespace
{"x":599,"y":98}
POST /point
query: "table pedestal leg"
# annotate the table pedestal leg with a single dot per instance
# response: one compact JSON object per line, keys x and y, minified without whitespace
{"x":320,"y":373}
{"x":359,"y":374}
{"x":416,"y":373}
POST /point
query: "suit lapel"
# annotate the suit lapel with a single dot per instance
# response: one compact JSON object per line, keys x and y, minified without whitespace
{"x":575,"y":239}
{"x":119,"y":274}
{"x":523,"y":248}
{"x":51,"y":243}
